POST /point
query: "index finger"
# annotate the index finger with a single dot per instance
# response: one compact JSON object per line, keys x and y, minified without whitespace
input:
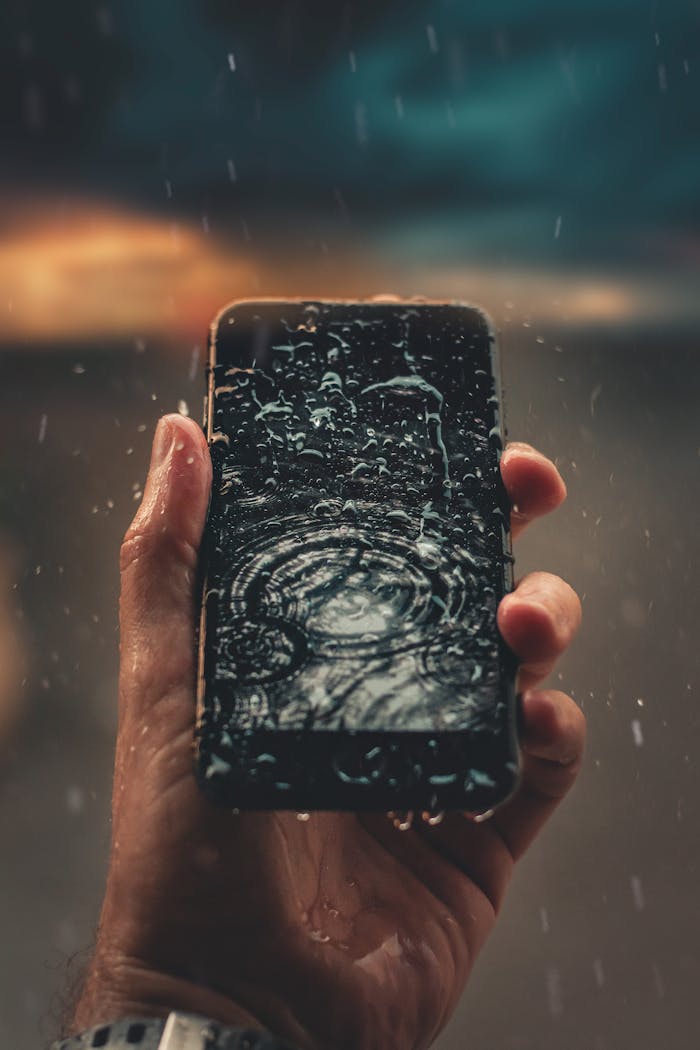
{"x":533,"y":483}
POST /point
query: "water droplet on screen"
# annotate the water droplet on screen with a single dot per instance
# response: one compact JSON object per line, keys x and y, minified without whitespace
{"x":403,"y":821}
{"x":318,"y":935}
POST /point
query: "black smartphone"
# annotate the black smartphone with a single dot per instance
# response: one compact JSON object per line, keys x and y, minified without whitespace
{"x":356,"y":548}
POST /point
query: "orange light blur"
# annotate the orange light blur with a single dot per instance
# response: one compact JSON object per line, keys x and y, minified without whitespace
{"x":81,"y":270}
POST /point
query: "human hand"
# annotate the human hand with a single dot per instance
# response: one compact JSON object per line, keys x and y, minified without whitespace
{"x":340,"y":931}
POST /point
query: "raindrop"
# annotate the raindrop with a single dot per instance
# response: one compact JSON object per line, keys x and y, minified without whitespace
{"x":231,"y":61}
{"x":361,"y":123}
{"x":194,"y":362}
{"x":340,"y":200}
{"x":183,"y":408}
{"x":75,"y":800}
{"x":595,"y":394}
{"x":34,"y":105}
{"x":42,"y":428}
{"x":303,"y":817}
{"x":658,"y":981}
{"x":637,"y":892}
{"x":25,"y":45}
{"x":554,"y":991}
{"x":105,"y":21}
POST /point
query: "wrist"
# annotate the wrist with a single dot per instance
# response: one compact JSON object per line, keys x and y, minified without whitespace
{"x":117,"y":987}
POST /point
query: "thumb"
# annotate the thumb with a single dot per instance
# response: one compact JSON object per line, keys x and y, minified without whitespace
{"x":159,"y":567}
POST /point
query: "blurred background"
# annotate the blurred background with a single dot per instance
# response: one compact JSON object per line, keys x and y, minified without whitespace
{"x":543,"y":160}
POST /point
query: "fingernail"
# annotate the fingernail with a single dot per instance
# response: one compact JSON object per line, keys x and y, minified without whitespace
{"x":162,"y":442}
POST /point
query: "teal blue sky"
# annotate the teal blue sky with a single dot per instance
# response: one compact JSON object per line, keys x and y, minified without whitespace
{"x":565,"y":133}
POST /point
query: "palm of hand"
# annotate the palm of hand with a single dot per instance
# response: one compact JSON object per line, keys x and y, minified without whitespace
{"x":337,"y":931}
{"x":366,"y":937}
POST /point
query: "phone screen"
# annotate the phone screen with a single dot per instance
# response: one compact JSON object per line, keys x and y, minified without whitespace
{"x":358,"y":528}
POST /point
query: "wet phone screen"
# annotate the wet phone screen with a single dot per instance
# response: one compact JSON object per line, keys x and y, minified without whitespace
{"x":356,"y":549}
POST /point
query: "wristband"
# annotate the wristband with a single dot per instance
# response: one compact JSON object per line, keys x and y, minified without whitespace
{"x":179,"y":1031}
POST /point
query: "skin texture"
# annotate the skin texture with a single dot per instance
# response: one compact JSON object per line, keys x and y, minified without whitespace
{"x":338,"y":933}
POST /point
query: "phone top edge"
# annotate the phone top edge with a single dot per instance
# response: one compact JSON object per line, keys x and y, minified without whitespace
{"x":415,"y":300}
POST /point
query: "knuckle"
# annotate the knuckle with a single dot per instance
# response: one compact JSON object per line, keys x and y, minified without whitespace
{"x":579,"y":723}
{"x":554,"y":779}
{"x":130,"y":550}
{"x":555,"y":594}
{"x":145,"y":545}
{"x":533,"y":671}
{"x":572,"y":729}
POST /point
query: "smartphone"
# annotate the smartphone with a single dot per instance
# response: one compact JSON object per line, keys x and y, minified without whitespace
{"x":356,"y":548}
